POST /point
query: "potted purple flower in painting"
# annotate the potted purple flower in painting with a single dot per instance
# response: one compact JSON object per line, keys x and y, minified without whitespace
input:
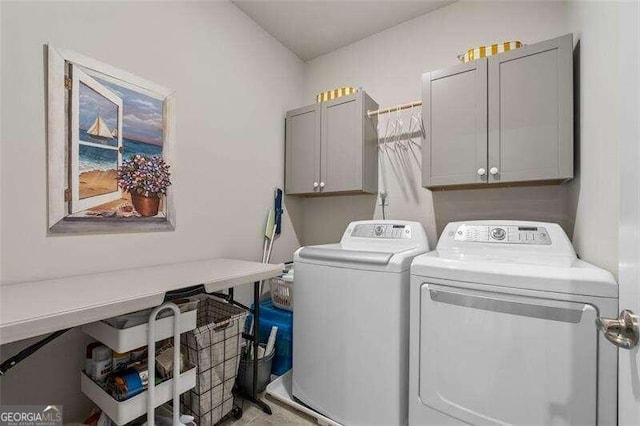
{"x":146,"y":179}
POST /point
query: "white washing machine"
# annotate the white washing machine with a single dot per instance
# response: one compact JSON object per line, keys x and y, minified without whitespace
{"x":502,"y":330}
{"x":351,"y":323}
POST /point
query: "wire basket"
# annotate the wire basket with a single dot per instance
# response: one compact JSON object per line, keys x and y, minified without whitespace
{"x":282,"y":293}
{"x":214,"y":347}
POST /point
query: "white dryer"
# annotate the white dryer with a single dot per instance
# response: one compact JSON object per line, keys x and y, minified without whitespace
{"x":502,"y":330}
{"x":351,"y":323}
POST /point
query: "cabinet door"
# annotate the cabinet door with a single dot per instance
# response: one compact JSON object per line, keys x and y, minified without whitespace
{"x":454,"y":110}
{"x":531,"y":112}
{"x":342,"y":146}
{"x":302,"y":146}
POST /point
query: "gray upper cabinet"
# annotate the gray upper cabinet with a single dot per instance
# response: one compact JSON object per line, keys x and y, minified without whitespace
{"x":505,"y":119}
{"x":302,"y":147}
{"x":335,"y":151}
{"x":454,"y":107}
{"x":531,"y":112}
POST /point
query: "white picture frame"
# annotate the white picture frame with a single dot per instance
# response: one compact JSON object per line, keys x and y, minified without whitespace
{"x":59,"y":146}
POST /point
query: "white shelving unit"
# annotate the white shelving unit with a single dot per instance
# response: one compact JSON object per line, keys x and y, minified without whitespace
{"x":122,"y":412}
{"x":123,"y":340}
{"x":127,"y":339}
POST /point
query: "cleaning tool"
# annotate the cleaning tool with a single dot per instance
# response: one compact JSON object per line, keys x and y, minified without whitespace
{"x":278,"y":210}
{"x":272,"y":228}
{"x":274,"y":222}
{"x":250,"y":347}
{"x":269,"y":230}
{"x":272,"y":340}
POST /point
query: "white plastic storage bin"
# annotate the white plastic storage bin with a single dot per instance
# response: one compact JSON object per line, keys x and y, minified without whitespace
{"x":122,"y":412}
{"x":282,"y":291}
{"x":127,"y":339}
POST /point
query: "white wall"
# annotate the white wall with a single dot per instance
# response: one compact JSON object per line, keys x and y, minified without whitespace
{"x":594,"y":196}
{"x":233,"y":82}
{"x":388,"y":65}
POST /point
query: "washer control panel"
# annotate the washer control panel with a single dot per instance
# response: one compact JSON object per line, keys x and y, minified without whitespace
{"x":506,"y":234}
{"x":382,"y":230}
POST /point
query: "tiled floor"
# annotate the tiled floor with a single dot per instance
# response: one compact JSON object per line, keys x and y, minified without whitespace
{"x":282,"y":415}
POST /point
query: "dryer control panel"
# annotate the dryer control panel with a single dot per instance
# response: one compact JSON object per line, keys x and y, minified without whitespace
{"x":505,"y":234}
{"x":540,"y":243}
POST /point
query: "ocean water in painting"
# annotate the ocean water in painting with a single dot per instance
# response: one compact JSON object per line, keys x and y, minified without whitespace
{"x":92,"y":158}
{"x":142,"y":125}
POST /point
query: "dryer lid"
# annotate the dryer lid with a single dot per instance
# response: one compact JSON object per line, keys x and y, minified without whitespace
{"x":526,"y":255}
{"x":580,"y":278}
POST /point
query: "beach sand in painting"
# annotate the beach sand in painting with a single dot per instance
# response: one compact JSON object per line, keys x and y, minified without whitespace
{"x":120,"y":203}
{"x":98,"y":182}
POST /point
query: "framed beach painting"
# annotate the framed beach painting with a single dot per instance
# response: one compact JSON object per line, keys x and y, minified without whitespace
{"x":110,"y":146}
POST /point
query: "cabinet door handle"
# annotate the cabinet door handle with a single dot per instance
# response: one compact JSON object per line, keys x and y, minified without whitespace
{"x":315,"y":184}
{"x":321,"y":184}
{"x":482,"y":172}
{"x":493,"y":171}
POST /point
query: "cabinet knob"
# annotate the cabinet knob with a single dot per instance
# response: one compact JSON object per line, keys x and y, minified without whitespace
{"x":315,"y":184}
{"x":321,"y":184}
{"x":493,"y":170}
{"x":482,"y":172}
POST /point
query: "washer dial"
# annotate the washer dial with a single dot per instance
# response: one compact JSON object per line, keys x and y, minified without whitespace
{"x":498,"y":233}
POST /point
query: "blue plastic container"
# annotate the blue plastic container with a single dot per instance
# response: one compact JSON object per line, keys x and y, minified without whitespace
{"x":272,"y":316}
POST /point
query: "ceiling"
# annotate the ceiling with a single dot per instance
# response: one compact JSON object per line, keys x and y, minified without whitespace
{"x":311,"y":28}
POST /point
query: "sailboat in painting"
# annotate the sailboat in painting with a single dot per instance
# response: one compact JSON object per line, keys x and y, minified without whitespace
{"x":99,"y":129}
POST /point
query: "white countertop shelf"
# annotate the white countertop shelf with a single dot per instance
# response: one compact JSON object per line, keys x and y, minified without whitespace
{"x":29,"y":309}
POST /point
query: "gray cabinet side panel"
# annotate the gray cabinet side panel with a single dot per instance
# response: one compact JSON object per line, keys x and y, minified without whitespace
{"x":565,"y":53}
{"x":531,"y":112}
{"x":341,"y":144}
{"x":370,"y":145}
{"x":426,"y":124}
{"x":302,"y":150}
{"x":454,"y":109}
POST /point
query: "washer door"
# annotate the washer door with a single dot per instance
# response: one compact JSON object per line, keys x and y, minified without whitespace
{"x":494,"y":359}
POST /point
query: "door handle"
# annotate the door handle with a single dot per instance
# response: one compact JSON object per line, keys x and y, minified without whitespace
{"x":621,"y":331}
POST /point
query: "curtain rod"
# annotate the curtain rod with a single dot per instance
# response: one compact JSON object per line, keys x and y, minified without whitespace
{"x":394,"y":108}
